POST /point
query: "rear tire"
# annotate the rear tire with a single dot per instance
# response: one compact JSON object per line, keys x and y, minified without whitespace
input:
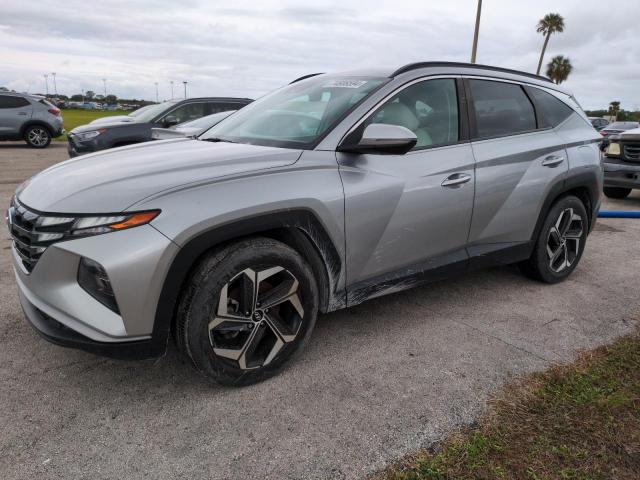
{"x":37,"y":136}
{"x":247,"y":309}
{"x":617,"y":192}
{"x":560,"y":243}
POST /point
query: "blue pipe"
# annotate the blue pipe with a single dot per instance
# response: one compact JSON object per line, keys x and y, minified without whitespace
{"x":618,"y":214}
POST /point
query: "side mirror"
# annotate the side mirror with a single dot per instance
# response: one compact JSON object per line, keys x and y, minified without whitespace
{"x":383,"y":138}
{"x":170,"y":121}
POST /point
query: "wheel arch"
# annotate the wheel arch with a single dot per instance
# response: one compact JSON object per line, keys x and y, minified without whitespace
{"x":31,"y":123}
{"x":584,"y":185}
{"x":299,"y":229}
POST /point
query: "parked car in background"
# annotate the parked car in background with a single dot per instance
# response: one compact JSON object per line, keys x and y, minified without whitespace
{"x":92,"y":138}
{"x":190,"y":129}
{"x":121,"y":118}
{"x":598,"y":123}
{"x":622,"y":164}
{"x":330,"y":191}
{"x":30,"y":118}
{"x":614,"y":129}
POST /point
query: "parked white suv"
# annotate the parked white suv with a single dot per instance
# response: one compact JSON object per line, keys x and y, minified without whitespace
{"x":30,"y":118}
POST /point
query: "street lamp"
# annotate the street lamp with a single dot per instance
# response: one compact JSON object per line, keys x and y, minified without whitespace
{"x":474,"y":47}
{"x":156,"y":84}
{"x":171,"y":82}
{"x":185,"y":88}
{"x":104,"y":84}
{"x":55,"y":86}
{"x":46,"y":83}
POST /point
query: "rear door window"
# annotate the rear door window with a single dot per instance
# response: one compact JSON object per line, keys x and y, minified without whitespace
{"x":501,"y":109}
{"x":7,"y":101}
{"x":553,"y":111}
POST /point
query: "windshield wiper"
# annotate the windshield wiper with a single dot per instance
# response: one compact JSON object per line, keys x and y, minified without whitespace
{"x":217,"y":139}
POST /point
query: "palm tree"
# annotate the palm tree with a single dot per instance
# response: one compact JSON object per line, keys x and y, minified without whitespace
{"x":551,"y":23}
{"x":614,"y":108}
{"x":559,"y":68}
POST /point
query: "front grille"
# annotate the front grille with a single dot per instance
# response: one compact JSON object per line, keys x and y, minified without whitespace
{"x":30,"y":237}
{"x":632,"y":151}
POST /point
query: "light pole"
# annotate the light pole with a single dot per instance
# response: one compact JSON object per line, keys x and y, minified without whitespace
{"x":82,"y":89}
{"x":46,"y":83}
{"x":474,"y":49}
{"x":55,"y":86}
{"x":171,"y":82}
{"x":185,"y":88}
{"x":156,"y":84}
{"x":104,"y":84}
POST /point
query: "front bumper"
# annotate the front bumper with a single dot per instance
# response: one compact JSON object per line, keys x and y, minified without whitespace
{"x":75,"y":148}
{"x":619,"y":173}
{"x":136,"y":261}
{"x":59,"y":334}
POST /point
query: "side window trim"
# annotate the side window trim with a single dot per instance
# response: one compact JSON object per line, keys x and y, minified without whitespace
{"x":472,"y":111}
{"x":464,"y":136}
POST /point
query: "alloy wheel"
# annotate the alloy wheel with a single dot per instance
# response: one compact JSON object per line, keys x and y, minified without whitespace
{"x":38,"y":137}
{"x":563,"y":240}
{"x":259,"y":312}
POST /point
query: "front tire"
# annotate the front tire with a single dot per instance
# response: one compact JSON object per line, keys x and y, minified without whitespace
{"x":617,"y":192}
{"x":37,"y":136}
{"x":247,"y":309}
{"x":560,"y":243}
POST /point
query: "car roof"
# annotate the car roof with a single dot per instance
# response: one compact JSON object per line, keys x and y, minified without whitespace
{"x":435,"y":68}
{"x":17,"y":94}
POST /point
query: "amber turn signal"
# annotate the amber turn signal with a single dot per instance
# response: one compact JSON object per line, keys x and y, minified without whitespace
{"x":135,"y":220}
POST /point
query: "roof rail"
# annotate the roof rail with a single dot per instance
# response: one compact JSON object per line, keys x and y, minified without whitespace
{"x":415,"y":66}
{"x":304,"y":77}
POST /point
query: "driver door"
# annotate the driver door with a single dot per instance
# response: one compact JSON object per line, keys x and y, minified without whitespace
{"x":408,"y":216}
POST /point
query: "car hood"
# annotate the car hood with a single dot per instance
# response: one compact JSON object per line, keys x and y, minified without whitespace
{"x":111,"y":119}
{"x":113,"y":180}
{"x":633,"y":134}
{"x":108,"y":125}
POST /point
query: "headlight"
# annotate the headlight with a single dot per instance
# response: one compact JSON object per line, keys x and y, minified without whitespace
{"x":613,"y":150}
{"x":46,"y":229}
{"x":81,"y":137}
{"x":84,"y":226}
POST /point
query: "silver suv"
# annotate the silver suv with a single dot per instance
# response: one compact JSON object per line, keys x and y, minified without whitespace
{"x":325,"y":193}
{"x":30,"y":118}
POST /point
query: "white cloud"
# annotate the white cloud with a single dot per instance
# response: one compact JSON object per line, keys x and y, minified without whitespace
{"x":252,"y":47}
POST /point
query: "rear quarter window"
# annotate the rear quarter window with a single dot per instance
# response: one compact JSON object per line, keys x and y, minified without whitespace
{"x":553,"y":111}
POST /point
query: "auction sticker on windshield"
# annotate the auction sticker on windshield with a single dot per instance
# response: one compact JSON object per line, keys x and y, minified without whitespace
{"x":345,"y":84}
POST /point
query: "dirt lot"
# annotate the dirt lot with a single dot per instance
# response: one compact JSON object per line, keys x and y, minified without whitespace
{"x":377,"y":381}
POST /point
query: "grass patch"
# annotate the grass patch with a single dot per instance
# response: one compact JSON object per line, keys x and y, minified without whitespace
{"x":578,"y":422}
{"x":75,"y":117}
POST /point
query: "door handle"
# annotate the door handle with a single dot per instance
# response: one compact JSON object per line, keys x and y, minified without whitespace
{"x":552,"y":161}
{"x":22,"y":113}
{"x":456,"y":180}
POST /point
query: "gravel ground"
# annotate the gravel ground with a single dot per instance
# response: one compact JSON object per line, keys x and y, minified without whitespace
{"x":377,"y":381}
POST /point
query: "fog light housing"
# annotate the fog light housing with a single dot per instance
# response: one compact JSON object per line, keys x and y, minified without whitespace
{"x":94,"y":280}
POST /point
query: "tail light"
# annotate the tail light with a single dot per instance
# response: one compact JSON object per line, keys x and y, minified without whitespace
{"x":54,"y":111}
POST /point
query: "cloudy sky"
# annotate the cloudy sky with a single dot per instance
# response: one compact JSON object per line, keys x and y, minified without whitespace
{"x":246,"y":48}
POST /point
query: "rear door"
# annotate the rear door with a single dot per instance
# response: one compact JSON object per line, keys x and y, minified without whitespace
{"x":519,"y":157}
{"x":14,"y":112}
{"x":408,"y":215}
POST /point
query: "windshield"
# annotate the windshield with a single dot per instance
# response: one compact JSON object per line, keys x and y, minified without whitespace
{"x":294,"y":116}
{"x":152,"y":112}
{"x":137,"y":112}
{"x":208,"y":121}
